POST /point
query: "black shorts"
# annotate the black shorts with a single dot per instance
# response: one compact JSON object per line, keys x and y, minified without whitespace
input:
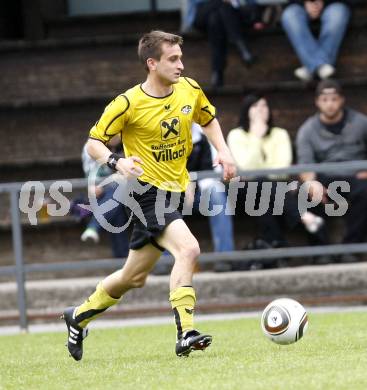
{"x":152,"y":205}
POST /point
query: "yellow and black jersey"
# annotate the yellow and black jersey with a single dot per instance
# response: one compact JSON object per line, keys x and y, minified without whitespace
{"x":158,"y":130}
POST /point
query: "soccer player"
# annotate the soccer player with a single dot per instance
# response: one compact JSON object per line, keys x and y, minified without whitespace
{"x":154,"y":120}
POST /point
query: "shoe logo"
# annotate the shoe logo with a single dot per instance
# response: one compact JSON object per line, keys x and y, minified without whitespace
{"x":186,"y":109}
{"x":167,"y":107}
{"x":189,"y":311}
{"x":170,"y":128}
{"x":185,"y":343}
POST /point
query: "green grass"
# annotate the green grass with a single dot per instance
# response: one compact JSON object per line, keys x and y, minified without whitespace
{"x":332,"y":355}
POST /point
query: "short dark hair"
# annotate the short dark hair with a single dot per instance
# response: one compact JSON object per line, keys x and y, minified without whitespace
{"x":150,"y":45}
{"x":328,"y":84}
{"x":247,"y":102}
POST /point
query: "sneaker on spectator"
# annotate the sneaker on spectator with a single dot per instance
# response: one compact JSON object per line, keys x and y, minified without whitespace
{"x":312,"y":222}
{"x":325,"y":71}
{"x":90,"y":234}
{"x":303,"y":74}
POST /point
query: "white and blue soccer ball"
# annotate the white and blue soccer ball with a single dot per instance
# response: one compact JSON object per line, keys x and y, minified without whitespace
{"x":284,"y":321}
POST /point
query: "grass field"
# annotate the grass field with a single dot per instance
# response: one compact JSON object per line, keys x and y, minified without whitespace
{"x":332,"y":355}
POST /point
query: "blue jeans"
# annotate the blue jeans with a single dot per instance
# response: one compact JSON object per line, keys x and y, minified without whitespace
{"x":116,"y":217}
{"x":314,"y":52}
{"x":221,"y":225}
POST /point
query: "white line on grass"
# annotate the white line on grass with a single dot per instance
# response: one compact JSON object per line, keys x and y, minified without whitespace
{"x":162,"y":320}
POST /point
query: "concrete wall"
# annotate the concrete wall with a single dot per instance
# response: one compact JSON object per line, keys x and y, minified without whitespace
{"x":231,"y":290}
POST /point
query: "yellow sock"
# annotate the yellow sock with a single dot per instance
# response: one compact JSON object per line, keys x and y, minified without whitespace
{"x":96,"y":304}
{"x":183,"y":301}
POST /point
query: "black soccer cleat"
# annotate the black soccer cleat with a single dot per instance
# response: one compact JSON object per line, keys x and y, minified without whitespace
{"x":192,"y":340}
{"x":76,"y":334}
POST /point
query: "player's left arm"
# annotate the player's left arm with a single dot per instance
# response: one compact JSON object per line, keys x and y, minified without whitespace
{"x":215,"y":136}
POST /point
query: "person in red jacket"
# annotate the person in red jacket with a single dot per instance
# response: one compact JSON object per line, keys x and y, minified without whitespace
{"x":317,"y":54}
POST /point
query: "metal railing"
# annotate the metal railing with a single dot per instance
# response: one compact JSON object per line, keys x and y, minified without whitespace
{"x":20,"y":270}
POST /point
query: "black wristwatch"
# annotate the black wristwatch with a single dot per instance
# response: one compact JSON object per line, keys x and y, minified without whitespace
{"x":112,"y":161}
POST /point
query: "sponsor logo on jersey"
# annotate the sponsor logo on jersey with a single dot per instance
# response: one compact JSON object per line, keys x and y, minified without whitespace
{"x":186,"y":109}
{"x":167,"y":107}
{"x":170,"y":128}
{"x":168,"y":155}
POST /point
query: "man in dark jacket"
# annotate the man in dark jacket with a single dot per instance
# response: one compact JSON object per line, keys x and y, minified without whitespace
{"x":336,"y":134}
{"x":317,"y":54}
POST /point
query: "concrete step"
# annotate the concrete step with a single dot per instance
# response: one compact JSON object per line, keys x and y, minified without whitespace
{"x":65,"y":84}
{"x":330,"y":284}
{"x":89,"y":71}
{"x":95,"y":63}
{"x":104,"y":25}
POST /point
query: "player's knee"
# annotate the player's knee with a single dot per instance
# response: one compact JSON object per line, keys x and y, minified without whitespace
{"x":190,"y":251}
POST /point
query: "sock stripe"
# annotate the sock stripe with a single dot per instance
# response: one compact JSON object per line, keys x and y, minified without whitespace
{"x":178,"y":323}
{"x":88,"y":314}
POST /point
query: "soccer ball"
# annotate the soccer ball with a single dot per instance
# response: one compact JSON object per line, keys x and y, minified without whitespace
{"x":284,"y":321}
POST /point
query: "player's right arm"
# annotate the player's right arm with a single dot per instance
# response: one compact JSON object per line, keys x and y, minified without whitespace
{"x":113,"y":121}
{"x":125,"y":166}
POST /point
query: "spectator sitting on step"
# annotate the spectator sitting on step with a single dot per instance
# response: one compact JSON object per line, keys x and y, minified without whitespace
{"x":258,"y":144}
{"x":117,"y":216}
{"x":335,"y":134}
{"x":318,"y":55}
{"x":223,"y":21}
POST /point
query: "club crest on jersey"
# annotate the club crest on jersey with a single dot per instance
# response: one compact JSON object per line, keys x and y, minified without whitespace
{"x":170,"y":128}
{"x":186,"y":109}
